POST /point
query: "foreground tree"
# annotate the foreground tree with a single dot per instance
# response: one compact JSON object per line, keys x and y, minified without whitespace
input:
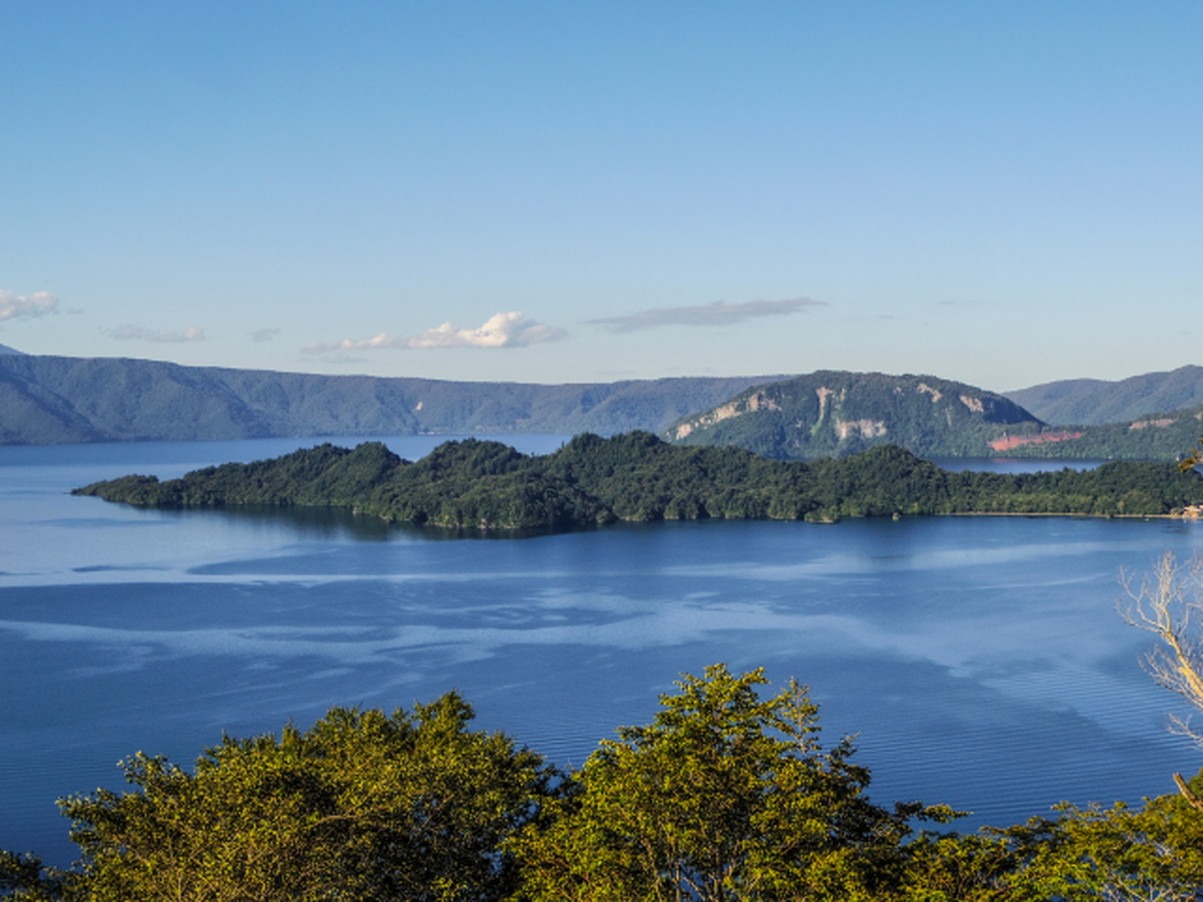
{"x":24,"y":878}
{"x":360,"y":806}
{"x":723,"y":796}
{"x":1153,"y":853}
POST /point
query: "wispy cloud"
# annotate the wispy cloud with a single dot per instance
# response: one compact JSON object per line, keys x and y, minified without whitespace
{"x":720,"y":313}
{"x":501,"y":330}
{"x":15,"y":306}
{"x":268,"y":334}
{"x":138,"y":333}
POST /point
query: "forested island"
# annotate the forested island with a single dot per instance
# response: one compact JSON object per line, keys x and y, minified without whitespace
{"x":592,"y":481}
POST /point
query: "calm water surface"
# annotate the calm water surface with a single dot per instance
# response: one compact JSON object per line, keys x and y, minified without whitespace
{"x":980,"y":660}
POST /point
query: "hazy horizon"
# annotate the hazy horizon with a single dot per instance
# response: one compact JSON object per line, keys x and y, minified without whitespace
{"x":8,"y":349}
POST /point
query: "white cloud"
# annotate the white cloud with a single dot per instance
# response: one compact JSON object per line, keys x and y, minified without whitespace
{"x":268,"y":334}
{"x":720,"y":313}
{"x":501,"y":330}
{"x":14,"y":306}
{"x":138,"y":333}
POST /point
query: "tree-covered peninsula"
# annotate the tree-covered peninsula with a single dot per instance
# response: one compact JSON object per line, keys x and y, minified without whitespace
{"x":591,"y":481}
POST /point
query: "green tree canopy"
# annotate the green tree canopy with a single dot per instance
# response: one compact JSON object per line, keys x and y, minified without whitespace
{"x":360,"y":806}
{"x":1119,"y":854}
{"x":725,"y":795}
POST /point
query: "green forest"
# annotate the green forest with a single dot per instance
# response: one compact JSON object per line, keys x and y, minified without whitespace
{"x":726,"y":795}
{"x":592,"y":481}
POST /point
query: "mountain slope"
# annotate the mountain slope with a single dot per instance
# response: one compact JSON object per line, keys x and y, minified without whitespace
{"x":837,"y":413}
{"x":46,"y":400}
{"x":1095,"y":401}
{"x":1159,"y":436}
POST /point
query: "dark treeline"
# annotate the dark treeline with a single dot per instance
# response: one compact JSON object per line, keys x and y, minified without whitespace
{"x":476,"y":484}
{"x":725,"y":795}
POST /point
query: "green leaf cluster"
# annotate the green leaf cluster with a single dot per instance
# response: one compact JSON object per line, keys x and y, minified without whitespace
{"x":1150,"y":852}
{"x":725,"y":795}
{"x":361,"y":806}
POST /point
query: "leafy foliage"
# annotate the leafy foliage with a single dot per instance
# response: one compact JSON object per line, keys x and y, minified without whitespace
{"x":1153,"y":852}
{"x":637,"y":477}
{"x":723,"y":796}
{"x":360,"y":806}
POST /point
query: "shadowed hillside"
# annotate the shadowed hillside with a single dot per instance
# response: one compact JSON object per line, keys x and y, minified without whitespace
{"x":48,"y":400}
{"x":1095,"y":401}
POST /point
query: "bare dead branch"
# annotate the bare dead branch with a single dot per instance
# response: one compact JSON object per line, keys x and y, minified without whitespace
{"x":1168,"y":603}
{"x":1188,"y":793}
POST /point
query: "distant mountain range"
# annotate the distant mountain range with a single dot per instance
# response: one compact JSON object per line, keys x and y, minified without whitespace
{"x":52,"y":400}
{"x":49,"y":400}
{"x":1092,"y":402}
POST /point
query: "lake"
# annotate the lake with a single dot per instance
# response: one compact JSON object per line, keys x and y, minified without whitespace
{"x":980,"y":661}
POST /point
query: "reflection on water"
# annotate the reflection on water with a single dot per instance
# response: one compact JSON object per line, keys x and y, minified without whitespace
{"x":308,"y":523}
{"x":961,"y":650}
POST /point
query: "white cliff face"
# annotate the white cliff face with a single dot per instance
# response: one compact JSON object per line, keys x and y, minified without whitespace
{"x":825,"y":395}
{"x":866,"y":428}
{"x":750,"y":404}
{"x":1159,"y":423}
{"x":936,"y":394}
{"x":974,"y":404}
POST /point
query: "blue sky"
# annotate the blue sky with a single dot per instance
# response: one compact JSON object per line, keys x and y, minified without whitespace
{"x":1001,"y":193}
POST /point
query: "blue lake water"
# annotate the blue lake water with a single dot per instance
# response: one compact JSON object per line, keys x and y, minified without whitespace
{"x":981,"y":661}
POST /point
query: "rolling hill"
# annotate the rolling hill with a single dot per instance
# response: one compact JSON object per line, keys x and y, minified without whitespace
{"x":838,"y":413}
{"x":1092,"y":402}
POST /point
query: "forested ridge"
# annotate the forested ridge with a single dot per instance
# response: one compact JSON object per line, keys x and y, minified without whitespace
{"x":591,"y":481}
{"x":1096,"y":402}
{"x":832,"y":412}
{"x":841,"y":413}
{"x":53,"y":400}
